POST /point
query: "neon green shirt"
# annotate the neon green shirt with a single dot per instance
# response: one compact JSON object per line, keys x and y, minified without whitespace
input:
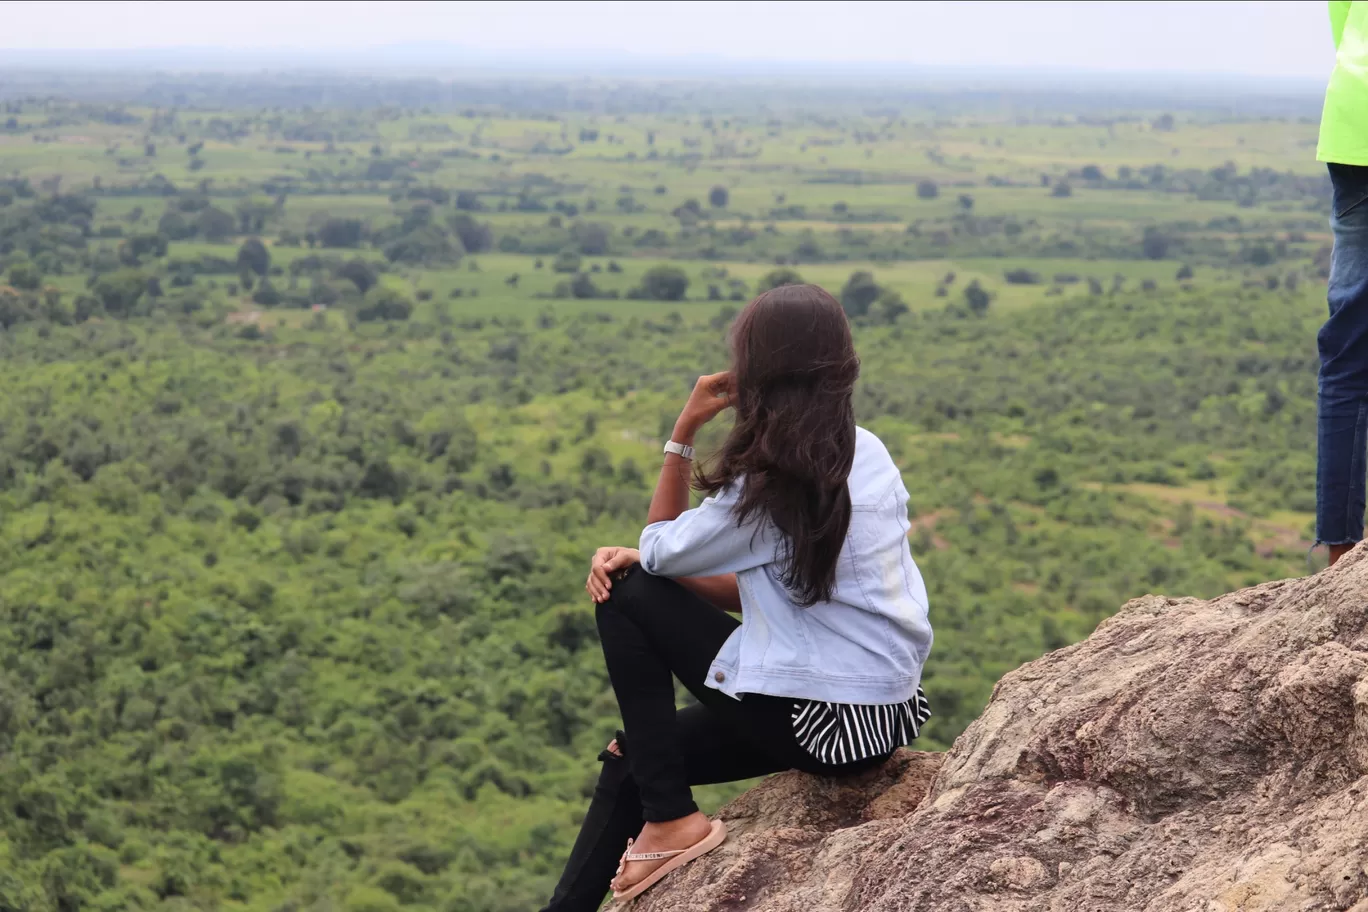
{"x":1344,"y":121}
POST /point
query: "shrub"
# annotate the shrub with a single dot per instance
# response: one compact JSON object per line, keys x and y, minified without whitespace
{"x":25,"y":276}
{"x":476,"y":237}
{"x":215,"y":224}
{"x":859,"y":293}
{"x":266,"y":294}
{"x":176,"y":226}
{"x":1154,"y":244}
{"x":381,"y":303}
{"x":890,"y":306}
{"x":662,"y":283}
{"x":120,"y":291}
{"x":976,"y":299}
{"x":591,"y":237}
{"x":567,"y":261}
{"x":254,"y":256}
{"x":424,"y":244}
{"x":341,"y":232}
{"x":776,"y":277}
{"x":581,"y":286}
{"x":359,"y":273}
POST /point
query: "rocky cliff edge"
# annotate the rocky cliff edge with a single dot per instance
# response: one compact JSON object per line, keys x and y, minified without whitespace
{"x":1189,"y":756}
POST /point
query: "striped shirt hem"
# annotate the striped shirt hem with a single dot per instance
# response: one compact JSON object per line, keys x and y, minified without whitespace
{"x":839,"y":733}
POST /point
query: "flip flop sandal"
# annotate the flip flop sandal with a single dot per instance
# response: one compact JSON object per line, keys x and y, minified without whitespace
{"x":678,"y":858}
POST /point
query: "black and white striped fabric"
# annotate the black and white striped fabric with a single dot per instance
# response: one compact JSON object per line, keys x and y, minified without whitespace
{"x":837,"y":733}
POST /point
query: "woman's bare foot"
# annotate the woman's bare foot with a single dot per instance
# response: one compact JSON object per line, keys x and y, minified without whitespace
{"x":662,"y":837}
{"x":1338,"y":551}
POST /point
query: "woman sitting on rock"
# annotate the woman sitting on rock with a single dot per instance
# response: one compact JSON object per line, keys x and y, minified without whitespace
{"x":804,"y":534}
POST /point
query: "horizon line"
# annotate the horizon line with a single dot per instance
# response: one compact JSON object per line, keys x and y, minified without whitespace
{"x":499,"y":59}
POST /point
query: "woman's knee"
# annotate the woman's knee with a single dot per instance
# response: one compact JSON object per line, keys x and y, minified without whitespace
{"x":635,"y":590}
{"x":614,"y":748}
{"x":615,"y":774}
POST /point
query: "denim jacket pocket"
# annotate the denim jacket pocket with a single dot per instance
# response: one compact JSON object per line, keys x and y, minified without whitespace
{"x":1348,"y":188}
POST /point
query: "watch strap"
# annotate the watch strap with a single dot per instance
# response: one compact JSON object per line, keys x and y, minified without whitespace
{"x":680,"y":449}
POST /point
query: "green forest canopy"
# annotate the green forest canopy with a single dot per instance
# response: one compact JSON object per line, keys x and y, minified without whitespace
{"x":304,"y":448}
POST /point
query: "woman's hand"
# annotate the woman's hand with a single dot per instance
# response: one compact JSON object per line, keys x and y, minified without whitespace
{"x":711,"y":394}
{"x":605,"y":563}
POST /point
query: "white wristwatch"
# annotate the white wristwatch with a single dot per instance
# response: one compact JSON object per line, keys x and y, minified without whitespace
{"x":679,"y":449}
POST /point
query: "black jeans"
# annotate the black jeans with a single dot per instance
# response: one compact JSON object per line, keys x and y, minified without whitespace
{"x":652,"y":628}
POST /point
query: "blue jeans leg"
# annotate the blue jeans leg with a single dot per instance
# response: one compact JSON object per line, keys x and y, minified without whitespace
{"x":1340,"y":468}
{"x":1342,"y":409}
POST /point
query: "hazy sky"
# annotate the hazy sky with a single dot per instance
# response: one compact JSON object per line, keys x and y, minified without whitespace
{"x":1270,"y":38}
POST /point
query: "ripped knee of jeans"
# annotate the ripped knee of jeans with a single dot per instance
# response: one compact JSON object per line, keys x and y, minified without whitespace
{"x":616,"y":748}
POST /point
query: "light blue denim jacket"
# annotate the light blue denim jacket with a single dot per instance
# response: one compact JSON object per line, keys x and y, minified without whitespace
{"x":866,"y":646}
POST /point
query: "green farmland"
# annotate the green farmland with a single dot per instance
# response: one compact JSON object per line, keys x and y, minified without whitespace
{"x":313,"y":415}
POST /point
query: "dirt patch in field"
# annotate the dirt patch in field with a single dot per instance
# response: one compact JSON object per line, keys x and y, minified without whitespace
{"x":1270,"y":537}
{"x":927,"y":522}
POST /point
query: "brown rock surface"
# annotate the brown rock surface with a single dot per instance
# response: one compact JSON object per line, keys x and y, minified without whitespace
{"x":1189,"y":756}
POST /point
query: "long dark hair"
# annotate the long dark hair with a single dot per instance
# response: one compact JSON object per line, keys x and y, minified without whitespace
{"x":794,"y":437}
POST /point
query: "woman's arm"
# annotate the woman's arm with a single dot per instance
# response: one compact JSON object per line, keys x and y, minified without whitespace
{"x":714,"y":543}
{"x":707,"y":540}
{"x":711,"y":394}
{"x":721,"y":591}
{"x":671,"y":496}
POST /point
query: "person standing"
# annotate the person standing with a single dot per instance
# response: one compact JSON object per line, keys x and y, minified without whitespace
{"x":1342,"y":406}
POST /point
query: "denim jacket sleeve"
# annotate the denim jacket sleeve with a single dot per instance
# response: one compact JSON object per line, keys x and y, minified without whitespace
{"x":706,"y":541}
